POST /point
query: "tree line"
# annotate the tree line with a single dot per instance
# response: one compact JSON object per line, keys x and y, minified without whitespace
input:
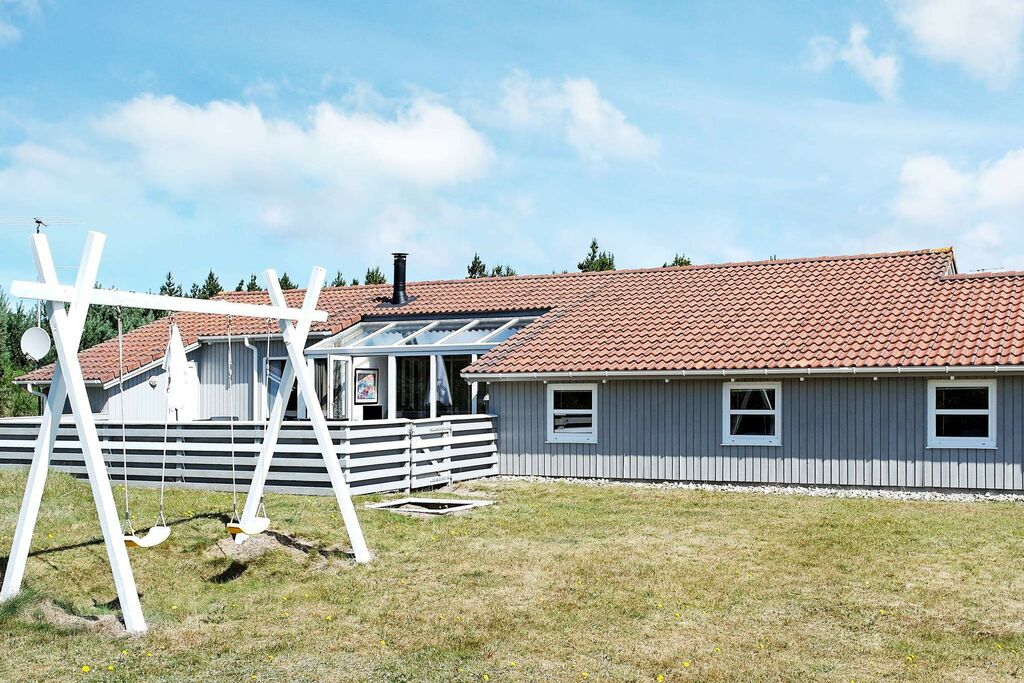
{"x":595,"y":260}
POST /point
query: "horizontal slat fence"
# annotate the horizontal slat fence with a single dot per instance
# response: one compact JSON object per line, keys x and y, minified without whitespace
{"x":377,"y":456}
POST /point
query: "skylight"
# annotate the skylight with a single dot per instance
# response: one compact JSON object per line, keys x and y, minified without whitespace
{"x":437,"y":334}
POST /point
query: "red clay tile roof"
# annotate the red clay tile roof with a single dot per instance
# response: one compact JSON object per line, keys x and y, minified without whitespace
{"x":877,"y":310}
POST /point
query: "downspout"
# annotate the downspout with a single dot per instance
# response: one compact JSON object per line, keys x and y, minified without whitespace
{"x":255,"y":379}
{"x":41,"y":395}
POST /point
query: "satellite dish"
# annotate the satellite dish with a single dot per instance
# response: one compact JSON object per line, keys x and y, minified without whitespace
{"x":35,"y":343}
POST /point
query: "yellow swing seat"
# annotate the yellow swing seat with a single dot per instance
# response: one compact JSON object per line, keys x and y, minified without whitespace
{"x":257,"y":526}
{"x":156,"y":535}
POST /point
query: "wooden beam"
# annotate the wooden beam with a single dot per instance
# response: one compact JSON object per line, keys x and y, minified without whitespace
{"x":112,"y":297}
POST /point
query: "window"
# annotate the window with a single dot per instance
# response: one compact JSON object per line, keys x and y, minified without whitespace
{"x":572,"y":413}
{"x":962,"y":413}
{"x":752,"y":414}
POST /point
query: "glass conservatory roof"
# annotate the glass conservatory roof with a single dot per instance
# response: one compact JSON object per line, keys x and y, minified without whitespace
{"x":437,"y":334}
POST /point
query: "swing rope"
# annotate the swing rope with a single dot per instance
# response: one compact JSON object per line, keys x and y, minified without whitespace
{"x":162,"y":520}
{"x":128,"y":529}
{"x":231,"y":427}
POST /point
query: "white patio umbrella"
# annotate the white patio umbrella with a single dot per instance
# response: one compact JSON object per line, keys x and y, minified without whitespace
{"x":176,"y":368}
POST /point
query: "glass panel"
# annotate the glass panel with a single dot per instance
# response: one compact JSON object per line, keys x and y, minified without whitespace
{"x":574,"y":399}
{"x":477,"y":332}
{"x":575,"y":422}
{"x":460,"y":401}
{"x":339,"y":385}
{"x":963,"y":426}
{"x":436,"y":333}
{"x":509,"y":331}
{"x":412,"y":383}
{"x":352,"y":336}
{"x":320,"y":382}
{"x":961,"y":398}
{"x":275,"y":369}
{"x":752,"y":399}
{"x":394,"y":335}
{"x":752,"y":425}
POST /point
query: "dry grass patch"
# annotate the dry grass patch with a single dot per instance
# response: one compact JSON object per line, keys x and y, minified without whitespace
{"x":555,"y":582}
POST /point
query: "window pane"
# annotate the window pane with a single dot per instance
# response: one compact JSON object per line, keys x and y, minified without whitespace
{"x":412,"y":383}
{"x":961,"y":398}
{"x":436,"y":333}
{"x":752,"y":399}
{"x":574,"y":400}
{"x":477,"y":332}
{"x":574,"y":423}
{"x":752,"y":425}
{"x":394,"y":335}
{"x":355,"y":334}
{"x":461,"y":397}
{"x":509,"y":331}
{"x":961,"y":425}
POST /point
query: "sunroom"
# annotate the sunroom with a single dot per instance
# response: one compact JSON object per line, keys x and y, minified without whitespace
{"x":386,"y":368}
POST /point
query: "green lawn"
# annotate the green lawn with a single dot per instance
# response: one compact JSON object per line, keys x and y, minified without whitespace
{"x":557,"y":582}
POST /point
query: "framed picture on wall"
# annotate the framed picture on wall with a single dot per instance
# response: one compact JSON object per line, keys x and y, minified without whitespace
{"x":366,"y":386}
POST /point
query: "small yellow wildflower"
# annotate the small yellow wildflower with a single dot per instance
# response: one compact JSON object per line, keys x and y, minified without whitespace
{"x":512,"y":664}
{"x":383,"y":643}
{"x":110,"y":667}
{"x":661,"y":677}
{"x":286,"y":614}
{"x":687,"y":664}
{"x":149,"y":654}
{"x":486,"y":677}
{"x":584,"y":675}
{"x":124,"y":652}
{"x":174,"y":607}
{"x":49,"y":535}
{"x":678,"y":615}
{"x":86,"y":669}
{"x":328,"y":617}
{"x":718,"y":649}
{"x":660,"y":605}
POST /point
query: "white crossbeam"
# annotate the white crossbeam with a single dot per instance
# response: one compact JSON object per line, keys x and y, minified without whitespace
{"x":24,"y":289}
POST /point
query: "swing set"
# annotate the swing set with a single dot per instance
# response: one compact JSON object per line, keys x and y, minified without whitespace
{"x":68,"y":386}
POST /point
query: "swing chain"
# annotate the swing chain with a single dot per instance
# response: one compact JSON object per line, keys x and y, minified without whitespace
{"x":162,"y":520}
{"x":129,"y":529}
{"x":231,"y":426}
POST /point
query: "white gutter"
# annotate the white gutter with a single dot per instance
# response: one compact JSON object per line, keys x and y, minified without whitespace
{"x":763,"y":372}
{"x":255,"y":378}
{"x":41,"y":395}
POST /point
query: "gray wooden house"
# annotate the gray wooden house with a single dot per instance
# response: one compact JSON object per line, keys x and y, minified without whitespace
{"x":871,"y":370}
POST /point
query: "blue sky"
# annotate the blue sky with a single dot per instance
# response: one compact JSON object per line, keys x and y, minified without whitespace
{"x":241,"y":136}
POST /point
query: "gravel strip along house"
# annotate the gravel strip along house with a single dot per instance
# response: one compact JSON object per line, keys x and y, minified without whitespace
{"x":880,"y":370}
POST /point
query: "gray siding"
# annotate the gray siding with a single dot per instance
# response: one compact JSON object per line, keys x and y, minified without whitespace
{"x":214,"y":398}
{"x":141,"y":401}
{"x":835,"y":431}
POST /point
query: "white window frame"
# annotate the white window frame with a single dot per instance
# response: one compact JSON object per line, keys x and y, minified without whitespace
{"x":572,"y":437}
{"x":729,"y":439}
{"x":935,"y":441}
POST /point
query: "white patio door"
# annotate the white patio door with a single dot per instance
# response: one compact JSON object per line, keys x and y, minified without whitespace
{"x":337,"y":387}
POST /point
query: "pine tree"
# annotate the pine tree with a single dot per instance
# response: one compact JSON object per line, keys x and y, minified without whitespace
{"x":240,"y":286}
{"x":502,"y":271}
{"x":211,"y":287}
{"x":253,"y":285}
{"x":679,"y":260}
{"x":287,"y":282}
{"x":597,"y":260}
{"x":355,"y":281}
{"x":170,"y":287}
{"x":476,"y":268}
{"x":339,"y":280}
{"x":374,"y":276}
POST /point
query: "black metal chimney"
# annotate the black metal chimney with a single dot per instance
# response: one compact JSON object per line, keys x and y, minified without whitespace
{"x":398,"y":296}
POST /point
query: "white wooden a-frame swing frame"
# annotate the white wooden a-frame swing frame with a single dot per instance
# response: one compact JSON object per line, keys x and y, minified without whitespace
{"x":68,"y":385}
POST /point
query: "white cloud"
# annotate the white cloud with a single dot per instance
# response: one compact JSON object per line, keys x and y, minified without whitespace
{"x":983,"y":37}
{"x":593,"y":126}
{"x":880,"y":71}
{"x":335,"y":180}
{"x":979,"y":211}
{"x":229,"y":144}
{"x":9,"y":33}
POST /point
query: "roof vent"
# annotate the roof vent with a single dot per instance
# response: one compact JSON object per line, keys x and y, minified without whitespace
{"x":398,"y":295}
